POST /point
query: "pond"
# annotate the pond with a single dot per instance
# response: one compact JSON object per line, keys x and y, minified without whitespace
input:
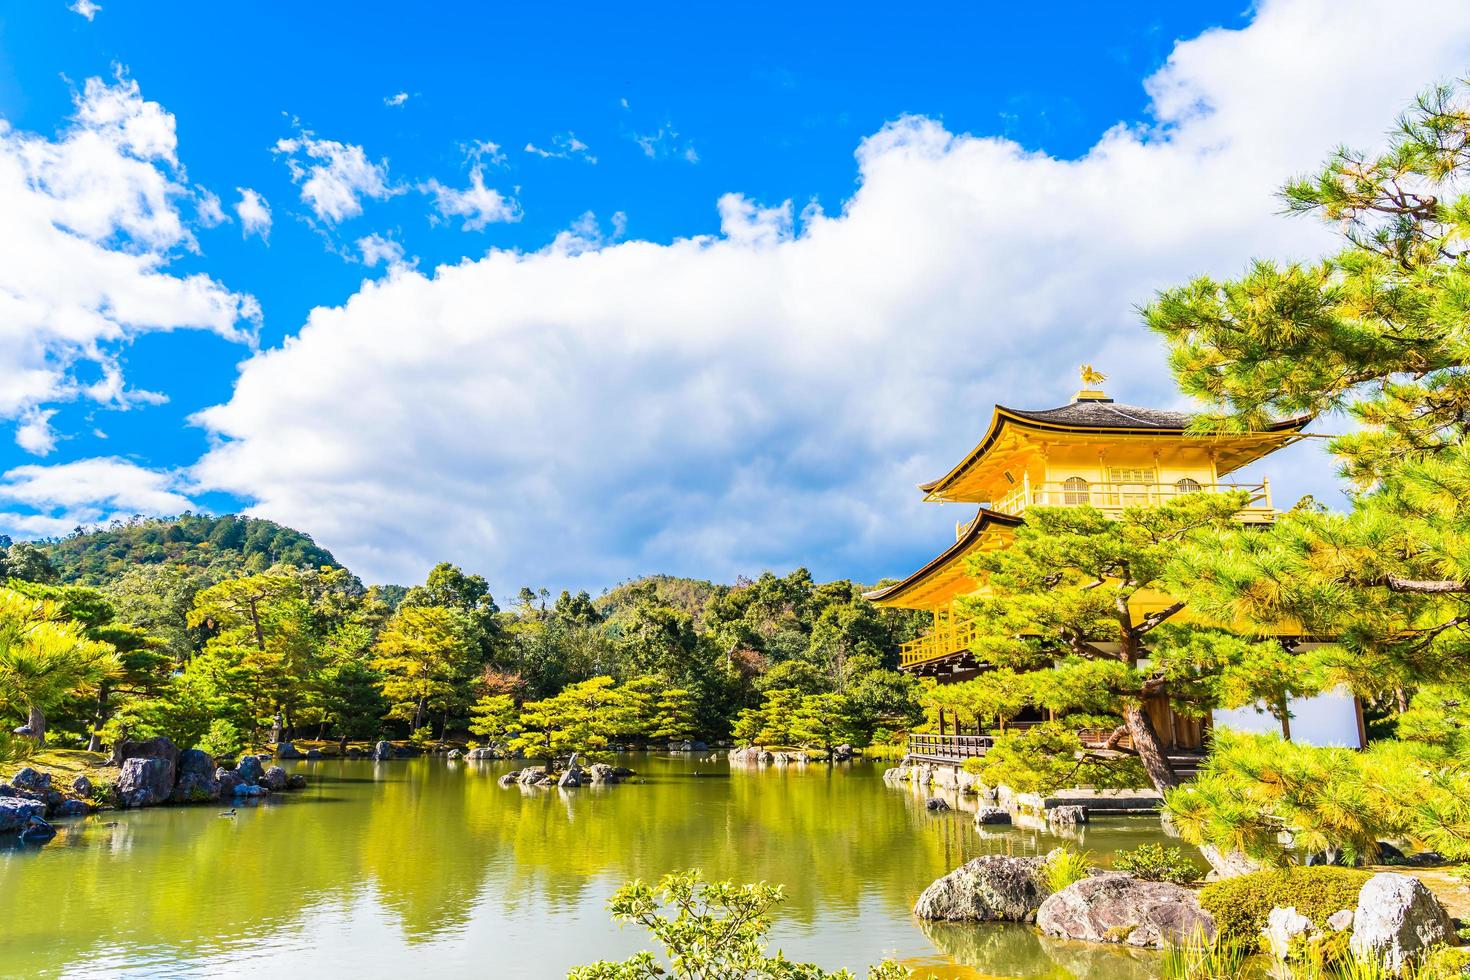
{"x":427,"y":867}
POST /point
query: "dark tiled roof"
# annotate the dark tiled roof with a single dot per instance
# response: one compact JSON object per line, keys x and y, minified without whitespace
{"x":1107,"y":415}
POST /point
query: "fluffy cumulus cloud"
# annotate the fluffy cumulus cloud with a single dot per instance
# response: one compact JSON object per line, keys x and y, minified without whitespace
{"x":56,"y":499}
{"x":770,"y":395}
{"x":334,"y":177}
{"x":86,"y":8}
{"x":91,"y":220}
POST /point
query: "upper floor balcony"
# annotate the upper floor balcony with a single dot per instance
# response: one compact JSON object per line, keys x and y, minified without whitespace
{"x":1113,"y":497}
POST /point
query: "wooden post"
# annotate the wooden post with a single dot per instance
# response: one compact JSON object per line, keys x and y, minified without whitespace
{"x":941,"y":722}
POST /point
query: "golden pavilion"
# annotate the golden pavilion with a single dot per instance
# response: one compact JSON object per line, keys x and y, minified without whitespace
{"x":1094,"y":451}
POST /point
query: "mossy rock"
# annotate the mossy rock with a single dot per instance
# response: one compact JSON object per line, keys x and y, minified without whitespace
{"x":1241,"y":905}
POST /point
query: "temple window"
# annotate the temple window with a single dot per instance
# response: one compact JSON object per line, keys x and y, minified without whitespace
{"x":1075,"y":492}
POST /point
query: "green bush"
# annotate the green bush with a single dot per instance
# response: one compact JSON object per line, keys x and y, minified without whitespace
{"x":1152,"y":862}
{"x":1241,"y":905}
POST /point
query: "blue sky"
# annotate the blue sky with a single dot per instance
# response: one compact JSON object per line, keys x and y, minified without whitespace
{"x":676,"y":288}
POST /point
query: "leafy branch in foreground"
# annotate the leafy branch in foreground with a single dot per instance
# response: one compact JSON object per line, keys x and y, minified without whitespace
{"x":713,"y":931}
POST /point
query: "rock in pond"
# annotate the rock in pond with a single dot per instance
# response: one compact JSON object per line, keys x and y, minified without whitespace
{"x":246,"y":789}
{"x":144,"y":781}
{"x":455,"y":754}
{"x":1121,"y":908}
{"x":228,"y":780}
{"x":572,"y":777}
{"x":382,"y":752}
{"x":313,"y":754}
{"x":992,"y":815}
{"x":275,"y":779}
{"x":1397,"y":917}
{"x":287,"y":750}
{"x":73,"y":808}
{"x":15,"y":812}
{"x":936,"y":804}
{"x":994,"y":888}
{"x":161,"y":748}
{"x":296,"y":781}
{"x":249,"y":770}
{"x":843,"y":753}
{"x":1066,"y":816}
{"x":197,"y":782}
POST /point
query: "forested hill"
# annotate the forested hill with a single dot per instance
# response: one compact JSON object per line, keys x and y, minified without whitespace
{"x":221,"y":544}
{"x":688,"y":595}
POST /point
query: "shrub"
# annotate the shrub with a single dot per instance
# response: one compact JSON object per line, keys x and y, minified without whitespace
{"x":1241,"y":905}
{"x":1065,"y":866}
{"x":713,"y":930}
{"x":1153,"y":862}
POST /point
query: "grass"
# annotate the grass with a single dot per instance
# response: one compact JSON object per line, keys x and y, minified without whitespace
{"x":1203,"y":959}
{"x":64,"y":764}
{"x":1065,"y":866}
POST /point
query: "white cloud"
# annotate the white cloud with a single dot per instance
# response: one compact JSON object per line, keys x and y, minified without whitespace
{"x":89,"y":491}
{"x":395,"y":100}
{"x":211,"y":212}
{"x":666,"y":143}
{"x":375,"y":248}
{"x":254,"y":212}
{"x":334,"y":177}
{"x":91,"y":220}
{"x":34,"y":434}
{"x":87,"y":8}
{"x":477,"y":204}
{"x":770,"y":396}
{"x":564,"y":146}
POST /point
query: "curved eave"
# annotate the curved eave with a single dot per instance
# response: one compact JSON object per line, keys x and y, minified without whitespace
{"x":984,"y":520}
{"x":1004,"y":416}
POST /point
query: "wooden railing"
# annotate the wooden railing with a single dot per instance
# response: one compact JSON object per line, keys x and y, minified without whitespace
{"x":950,"y":746}
{"x":1115,"y":496}
{"x":947,"y":638}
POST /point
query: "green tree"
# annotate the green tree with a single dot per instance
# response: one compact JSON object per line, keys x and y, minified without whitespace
{"x":824,"y":721}
{"x":423,"y":655}
{"x":494,"y":717}
{"x":24,"y":561}
{"x":582,"y":718}
{"x":44,"y":658}
{"x":1063,"y":603}
{"x":1375,"y":330}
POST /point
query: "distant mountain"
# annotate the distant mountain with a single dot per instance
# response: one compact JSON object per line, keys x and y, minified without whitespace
{"x":223,"y":544}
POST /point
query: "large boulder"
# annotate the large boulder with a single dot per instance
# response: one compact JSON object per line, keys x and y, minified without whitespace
{"x":275,"y":779}
{"x":228,"y":780}
{"x":196,"y":782}
{"x":843,"y":753}
{"x":1396,"y":918}
{"x":994,"y":888}
{"x":82,"y":786}
{"x":383,"y":751}
{"x":249,"y":769}
{"x":992,"y":815}
{"x":287,"y":750}
{"x":936,"y":804}
{"x":144,"y":781}
{"x":15,"y":813}
{"x":1112,"y":908}
{"x":31,"y":780}
{"x":533,"y":776}
{"x":510,"y":778}
{"x":572,"y":777}
{"x":160,"y":747}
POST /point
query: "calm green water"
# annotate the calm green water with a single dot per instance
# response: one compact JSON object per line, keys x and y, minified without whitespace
{"x":428,"y":868}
